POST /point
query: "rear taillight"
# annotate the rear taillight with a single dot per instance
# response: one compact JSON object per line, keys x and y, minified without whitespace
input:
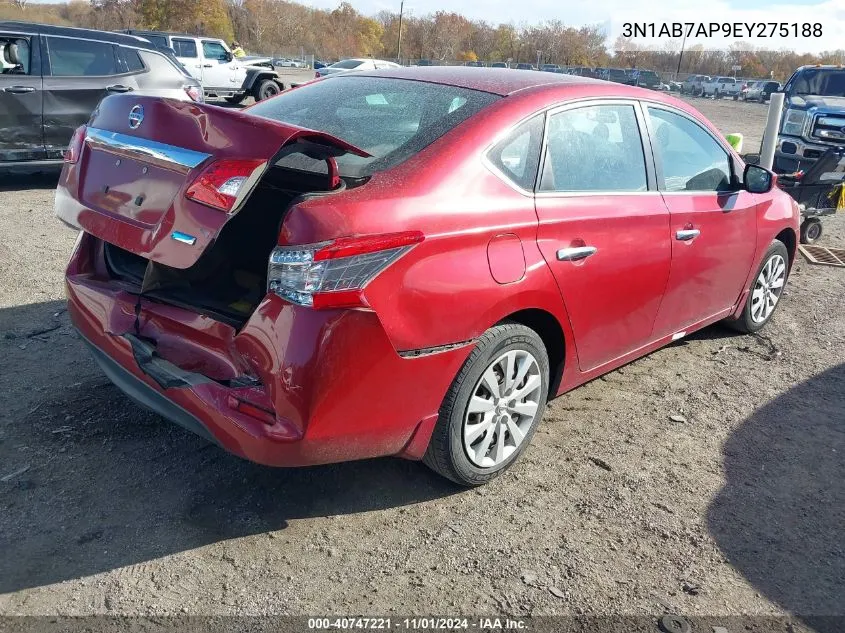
{"x":74,"y":148}
{"x":195,"y":93}
{"x":224,"y":183}
{"x":317,"y":75}
{"x":333,"y":274}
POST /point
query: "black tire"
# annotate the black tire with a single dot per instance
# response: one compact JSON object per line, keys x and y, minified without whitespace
{"x":446,"y":454}
{"x":716,"y":95}
{"x":236,"y":99}
{"x":811,"y":230}
{"x":746,"y":323}
{"x":265,"y":89}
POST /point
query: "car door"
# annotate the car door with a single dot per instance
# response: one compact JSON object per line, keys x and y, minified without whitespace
{"x":219,"y":69}
{"x":21,"y":98}
{"x":713,"y":223}
{"x":603,"y":226}
{"x":188,"y":55}
{"x":79,"y":74}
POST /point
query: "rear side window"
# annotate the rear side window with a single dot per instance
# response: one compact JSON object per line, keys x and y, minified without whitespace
{"x":392,"y":119}
{"x":80,"y":58}
{"x":184,"y":48}
{"x":594,"y":148}
{"x":132,"y":60}
{"x":517,"y":155}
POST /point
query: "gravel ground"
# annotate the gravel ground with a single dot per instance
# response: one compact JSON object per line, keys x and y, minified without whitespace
{"x":733,"y":505}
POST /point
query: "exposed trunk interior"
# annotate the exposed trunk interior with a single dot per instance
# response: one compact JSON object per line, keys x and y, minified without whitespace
{"x":230,"y":278}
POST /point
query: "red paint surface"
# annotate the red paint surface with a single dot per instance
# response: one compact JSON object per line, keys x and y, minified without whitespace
{"x":334,"y":379}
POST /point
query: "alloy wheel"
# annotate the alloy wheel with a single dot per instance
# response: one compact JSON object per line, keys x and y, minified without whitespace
{"x":767,"y":289}
{"x":504,"y":405}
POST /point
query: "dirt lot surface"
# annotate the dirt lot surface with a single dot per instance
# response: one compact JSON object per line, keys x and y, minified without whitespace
{"x":706,"y":478}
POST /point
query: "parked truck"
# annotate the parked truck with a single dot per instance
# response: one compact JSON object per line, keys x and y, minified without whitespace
{"x":813,"y":117}
{"x":211,"y":62}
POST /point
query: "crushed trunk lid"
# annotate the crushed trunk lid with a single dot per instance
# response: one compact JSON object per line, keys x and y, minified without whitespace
{"x":142,"y":154}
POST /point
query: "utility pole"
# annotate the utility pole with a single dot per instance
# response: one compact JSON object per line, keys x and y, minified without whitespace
{"x":399,"y":42}
{"x":681,"y":57}
{"x":538,"y":59}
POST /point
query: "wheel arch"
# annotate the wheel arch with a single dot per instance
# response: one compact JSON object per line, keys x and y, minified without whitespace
{"x":550,"y":331}
{"x":790,"y":240}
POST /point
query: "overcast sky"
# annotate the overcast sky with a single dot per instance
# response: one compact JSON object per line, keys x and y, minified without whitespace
{"x":830,"y":13}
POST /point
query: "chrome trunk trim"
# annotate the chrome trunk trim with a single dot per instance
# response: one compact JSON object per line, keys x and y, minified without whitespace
{"x":160,"y":154}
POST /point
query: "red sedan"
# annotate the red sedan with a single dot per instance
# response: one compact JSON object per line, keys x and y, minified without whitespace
{"x":406,"y":262}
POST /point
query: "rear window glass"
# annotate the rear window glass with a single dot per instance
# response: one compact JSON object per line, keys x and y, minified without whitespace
{"x":158,"y":40}
{"x":347,"y":63}
{"x":80,"y":58}
{"x":184,"y":48}
{"x":392,"y":119}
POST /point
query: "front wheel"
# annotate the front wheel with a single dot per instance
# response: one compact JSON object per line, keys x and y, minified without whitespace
{"x":266,"y":88}
{"x":766,"y":289}
{"x":492,"y":408}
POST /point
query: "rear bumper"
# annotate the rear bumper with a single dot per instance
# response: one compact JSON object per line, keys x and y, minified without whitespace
{"x":331,"y":386}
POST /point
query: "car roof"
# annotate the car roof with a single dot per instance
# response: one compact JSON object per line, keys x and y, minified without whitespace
{"x":69,"y":31}
{"x":501,"y":81}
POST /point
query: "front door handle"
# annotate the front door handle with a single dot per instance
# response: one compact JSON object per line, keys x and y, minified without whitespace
{"x":119,"y":88}
{"x":687,"y":234}
{"x":575,"y":253}
{"x":208,"y":65}
{"x":18,"y":90}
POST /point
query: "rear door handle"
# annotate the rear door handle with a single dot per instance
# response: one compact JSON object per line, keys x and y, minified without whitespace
{"x":19,"y":89}
{"x":575,"y":253}
{"x":687,"y":234}
{"x":119,"y":88}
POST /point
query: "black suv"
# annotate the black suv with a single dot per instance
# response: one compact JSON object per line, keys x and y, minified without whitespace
{"x":52,"y":78}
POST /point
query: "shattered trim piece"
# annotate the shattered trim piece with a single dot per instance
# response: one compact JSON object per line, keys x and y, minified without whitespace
{"x":437,"y":349}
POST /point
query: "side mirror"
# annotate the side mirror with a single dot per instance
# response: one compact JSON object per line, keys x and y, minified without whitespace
{"x":228,"y":56}
{"x":757,"y":179}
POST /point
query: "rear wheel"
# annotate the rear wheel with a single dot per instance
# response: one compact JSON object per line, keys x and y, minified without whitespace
{"x":266,"y":88}
{"x":492,"y":408}
{"x":766,"y":289}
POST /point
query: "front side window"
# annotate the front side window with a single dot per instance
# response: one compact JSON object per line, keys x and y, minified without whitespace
{"x":688,"y":156}
{"x":594,"y":148}
{"x":391,"y":119}
{"x":14,"y":55}
{"x":185,"y":48}
{"x":214,"y":50}
{"x":80,"y":58}
{"x":518,"y":154}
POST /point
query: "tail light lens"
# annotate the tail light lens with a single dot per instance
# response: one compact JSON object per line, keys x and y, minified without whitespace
{"x":74,"y":148}
{"x":317,"y":75}
{"x":224,"y":183}
{"x":195,"y":93}
{"x":333,"y":274}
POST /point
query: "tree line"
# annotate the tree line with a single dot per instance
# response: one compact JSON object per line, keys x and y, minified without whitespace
{"x":280,"y":27}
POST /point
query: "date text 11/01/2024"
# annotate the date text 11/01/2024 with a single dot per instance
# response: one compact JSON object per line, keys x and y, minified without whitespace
{"x":738,"y":30}
{"x":416,"y":624}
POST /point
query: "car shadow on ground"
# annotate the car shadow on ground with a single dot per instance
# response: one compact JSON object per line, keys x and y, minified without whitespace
{"x":780,"y":518}
{"x":47,"y":179}
{"x":109,"y":484}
